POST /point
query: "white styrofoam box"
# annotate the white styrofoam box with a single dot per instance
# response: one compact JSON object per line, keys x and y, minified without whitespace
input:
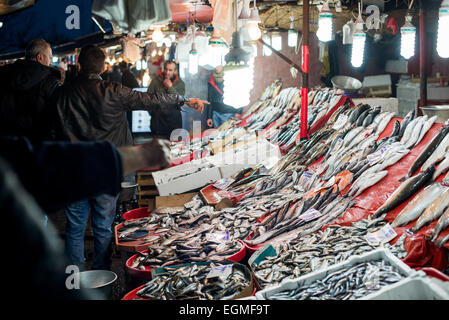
{"x":249,"y":154}
{"x":375,"y":255}
{"x":376,"y":81}
{"x":386,"y":104}
{"x":185,"y":177}
{"x":396,"y":66}
{"x":228,"y":171}
{"x":419,"y":288}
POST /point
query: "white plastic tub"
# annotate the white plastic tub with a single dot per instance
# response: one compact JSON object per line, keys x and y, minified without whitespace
{"x":375,"y":255}
{"x":420,"y":288}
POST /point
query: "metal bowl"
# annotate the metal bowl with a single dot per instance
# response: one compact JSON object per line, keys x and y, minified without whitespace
{"x":99,"y":282}
{"x":348,"y":84}
{"x":441,"y":111}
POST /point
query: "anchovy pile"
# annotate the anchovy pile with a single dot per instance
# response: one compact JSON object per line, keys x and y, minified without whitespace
{"x":346,"y":284}
{"x":196,"y":249}
{"x":191,"y":282}
{"x":335,"y":244}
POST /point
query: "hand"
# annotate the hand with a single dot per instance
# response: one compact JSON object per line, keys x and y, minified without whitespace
{"x":197,"y":104}
{"x":156,"y":153}
{"x":167,"y":83}
{"x":210,"y":123}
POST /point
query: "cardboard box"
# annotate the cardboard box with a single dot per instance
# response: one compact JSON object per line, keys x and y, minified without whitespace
{"x":175,"y":200}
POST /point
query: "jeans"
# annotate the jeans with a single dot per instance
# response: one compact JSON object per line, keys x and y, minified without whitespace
{"x":102,"y":209}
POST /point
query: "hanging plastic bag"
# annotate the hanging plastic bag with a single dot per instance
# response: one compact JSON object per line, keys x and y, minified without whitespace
{"x":348,"y":31}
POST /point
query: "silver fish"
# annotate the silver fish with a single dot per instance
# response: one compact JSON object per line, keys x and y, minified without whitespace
{"x":418,"y":204}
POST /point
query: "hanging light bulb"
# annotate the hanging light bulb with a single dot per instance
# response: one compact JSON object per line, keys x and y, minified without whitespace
{"x":157,"y":34}
{"x":276,"y":41}
{"x":266,"y":51}
{"x":253,"y":24}
{"x":408,"y":35}
{"x":144,"y":64}
{"x":324,"y":32}
{"x":358,"y":44}
{"x":443,"y":27}
{"x":237,"y":86}
{"x":292,"y":34}
{"x":193,"y":60}
{"x":139,"y":65}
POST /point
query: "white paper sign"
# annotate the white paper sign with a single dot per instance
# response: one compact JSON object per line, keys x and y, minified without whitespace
{"x":218,"y":237}
{"x":310,"y":214}
{"x":341,"y":121}
{"x":222,"y":272}
{"x":384,"y":235}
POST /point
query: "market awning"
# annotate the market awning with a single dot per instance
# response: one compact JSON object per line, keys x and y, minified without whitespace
{"x":58,"y":22}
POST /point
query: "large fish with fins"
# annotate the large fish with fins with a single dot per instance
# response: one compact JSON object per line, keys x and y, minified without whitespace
{"x":405,"y":191}
{"x":427,"y":152}
{"x":418,"y":204}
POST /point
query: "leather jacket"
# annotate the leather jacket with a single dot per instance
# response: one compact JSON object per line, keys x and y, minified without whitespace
{"x":90,"y":109}
{"x":26,"y":88}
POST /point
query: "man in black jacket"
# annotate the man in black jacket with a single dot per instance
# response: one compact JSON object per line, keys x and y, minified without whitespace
{"x":25,"y":90}
{"x":90,"y":109}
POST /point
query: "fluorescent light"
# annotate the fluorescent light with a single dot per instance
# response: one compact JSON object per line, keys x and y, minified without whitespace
{"x":276,"y":41}
{"x":443,"y":27}
{"x":324,"y":32}
{"x":408,"y":35}
{"x":358,"y":46}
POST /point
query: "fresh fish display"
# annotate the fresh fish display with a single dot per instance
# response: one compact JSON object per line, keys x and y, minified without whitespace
{"x":407,"y":119}
{"x":196,"y":249}
{"x":302,"y":255}
{"x":442,"y":168}
{"x":346,"y":284}
{"x":405,"y":191}
{"x":434,"y":211}
{"x":442,"y":224}
{"x":441,"y":241}
{"x":418,"y":204}
{"x":438,"y":154}
{"x":428,"y":151}
{"x":192,"y":282}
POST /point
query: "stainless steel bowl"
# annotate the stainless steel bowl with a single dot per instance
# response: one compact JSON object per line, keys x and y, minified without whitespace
{"x":348,"y":84}
{"x":98,"y":282}
{"x":442,"y":112}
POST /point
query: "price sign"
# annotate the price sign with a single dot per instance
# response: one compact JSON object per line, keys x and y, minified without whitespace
{"x":222,"y":272}
{"x":384,"y":235}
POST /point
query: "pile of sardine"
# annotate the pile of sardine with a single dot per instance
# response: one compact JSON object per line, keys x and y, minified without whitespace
{"x":180,"y":251}
{"x":192,"y":282}
{"x":346,"y":284}
{"x":335,"y":244}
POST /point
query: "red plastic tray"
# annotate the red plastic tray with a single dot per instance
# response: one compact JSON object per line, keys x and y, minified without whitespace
{"x":434,"y":273}
{"x":146,"y":274}
{"x":136,"y":214}
{"x":130,"y":246}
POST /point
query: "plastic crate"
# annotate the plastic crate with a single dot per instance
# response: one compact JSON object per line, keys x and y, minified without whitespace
{"x":375,"y":255}
{"x":420,"y":288}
